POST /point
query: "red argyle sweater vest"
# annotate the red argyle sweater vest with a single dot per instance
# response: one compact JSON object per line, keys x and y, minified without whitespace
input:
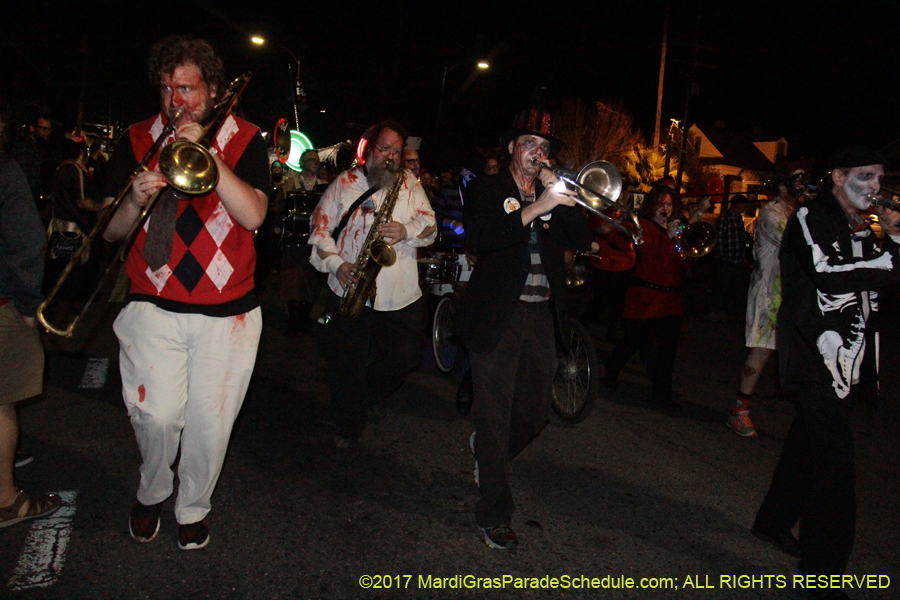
{"x":213,"y":257}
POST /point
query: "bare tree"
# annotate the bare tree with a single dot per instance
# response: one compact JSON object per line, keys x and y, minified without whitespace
{"x":595,"y":131}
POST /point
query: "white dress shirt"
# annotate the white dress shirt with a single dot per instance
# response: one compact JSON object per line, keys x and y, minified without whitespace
{"x":397,"y":286}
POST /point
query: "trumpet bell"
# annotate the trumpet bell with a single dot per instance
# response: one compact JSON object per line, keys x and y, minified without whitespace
{"x":599,"y":178}
{"x":697,"y":239}
{"x":188,"y":167}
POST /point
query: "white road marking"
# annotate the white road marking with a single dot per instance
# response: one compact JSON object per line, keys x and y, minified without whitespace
{"x":95,"y":373}
{"x":42,"y":559}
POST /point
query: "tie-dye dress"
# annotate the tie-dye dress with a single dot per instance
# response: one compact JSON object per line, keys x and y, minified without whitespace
{"x":764,"y":297}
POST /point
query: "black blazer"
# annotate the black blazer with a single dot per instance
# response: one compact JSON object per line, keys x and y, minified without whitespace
{"x":501,"y":241}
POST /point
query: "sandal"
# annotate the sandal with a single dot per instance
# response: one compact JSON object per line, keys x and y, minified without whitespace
{"x":38,"y":506}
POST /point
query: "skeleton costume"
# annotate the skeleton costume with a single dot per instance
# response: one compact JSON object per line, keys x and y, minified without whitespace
{"x":828,"y":353}
{"x":827,"y":326}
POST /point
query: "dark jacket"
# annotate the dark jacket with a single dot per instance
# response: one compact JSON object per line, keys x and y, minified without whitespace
{"x":501,"y":241}
{"x":827,"y":323}
{"x":22,"y":240}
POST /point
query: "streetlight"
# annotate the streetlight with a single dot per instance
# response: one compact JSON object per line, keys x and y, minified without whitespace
{"x":297,"y":90}
{"x":481,"y":64}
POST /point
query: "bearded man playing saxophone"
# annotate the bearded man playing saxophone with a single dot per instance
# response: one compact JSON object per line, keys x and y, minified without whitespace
{"x":369,"y":356}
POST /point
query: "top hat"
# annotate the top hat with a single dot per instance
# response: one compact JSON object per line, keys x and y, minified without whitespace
{"x":533,"y":121}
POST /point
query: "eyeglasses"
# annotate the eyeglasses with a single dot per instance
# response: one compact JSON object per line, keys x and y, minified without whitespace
{"x":412,"y":160}
{"x":389,"y":150}
{"x":42,"y":128}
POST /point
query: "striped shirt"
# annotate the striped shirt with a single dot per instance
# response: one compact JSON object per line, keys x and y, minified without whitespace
{"x":537,"y":286}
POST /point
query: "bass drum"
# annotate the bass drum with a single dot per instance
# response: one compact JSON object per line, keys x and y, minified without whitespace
{"x":296,"y":227}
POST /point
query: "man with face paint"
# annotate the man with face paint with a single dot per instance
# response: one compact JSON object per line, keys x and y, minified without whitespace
{"x":764,"y":295}
{"x":370,"y":356}
{"x":189,"y":332}
{"x":831,"y":264}
{"x":515,"y":307}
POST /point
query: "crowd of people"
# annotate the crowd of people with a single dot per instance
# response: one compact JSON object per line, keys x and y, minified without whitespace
{"x":191,"y":325}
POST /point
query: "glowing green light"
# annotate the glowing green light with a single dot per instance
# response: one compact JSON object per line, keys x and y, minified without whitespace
{"x":299,"y":144}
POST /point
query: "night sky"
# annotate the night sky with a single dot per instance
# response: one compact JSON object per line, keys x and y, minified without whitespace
{"x":822,"y":74}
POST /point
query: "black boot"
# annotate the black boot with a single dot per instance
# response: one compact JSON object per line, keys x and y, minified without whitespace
{"x":305,"y":322}
{"x":294,"y":319}
{"x":465,"y":394}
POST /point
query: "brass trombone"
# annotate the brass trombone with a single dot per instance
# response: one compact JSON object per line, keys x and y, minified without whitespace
{"x":599,"y":185}
{"x":189,"y":169}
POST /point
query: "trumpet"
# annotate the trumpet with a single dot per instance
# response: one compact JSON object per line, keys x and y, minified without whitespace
{"x":189,"y":168}
{"x":880,"y":201}
{"x":599,"y":185}
{"x":695,"y":239}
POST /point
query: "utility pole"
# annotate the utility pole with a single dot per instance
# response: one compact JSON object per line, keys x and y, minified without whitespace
{"x":693,"y":90}
{"x":79,"y":119}
{"x":662,"y":73}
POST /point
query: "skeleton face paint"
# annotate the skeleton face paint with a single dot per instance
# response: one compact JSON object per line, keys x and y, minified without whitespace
{"x":860,"y":183}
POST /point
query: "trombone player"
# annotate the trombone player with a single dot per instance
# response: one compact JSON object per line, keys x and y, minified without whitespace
{"x":190,"y":330}
{"x":514,"y":307}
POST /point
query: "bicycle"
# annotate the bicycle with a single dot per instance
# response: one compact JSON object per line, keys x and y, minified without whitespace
{"x":577,"y":377}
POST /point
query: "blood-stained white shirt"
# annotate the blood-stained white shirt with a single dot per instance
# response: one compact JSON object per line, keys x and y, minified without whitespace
{"x":397,"y":286}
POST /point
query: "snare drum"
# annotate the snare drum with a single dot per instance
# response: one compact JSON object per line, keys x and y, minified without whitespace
{"x":429,"y":269}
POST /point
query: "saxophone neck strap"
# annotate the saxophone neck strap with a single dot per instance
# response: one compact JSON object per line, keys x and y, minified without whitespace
{"x":337,"y":230}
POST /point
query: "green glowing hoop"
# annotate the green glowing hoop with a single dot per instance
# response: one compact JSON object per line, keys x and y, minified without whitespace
{"x":299,"y":144}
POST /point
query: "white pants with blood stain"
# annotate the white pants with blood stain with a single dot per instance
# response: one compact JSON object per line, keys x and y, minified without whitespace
{"x":184,"y":377}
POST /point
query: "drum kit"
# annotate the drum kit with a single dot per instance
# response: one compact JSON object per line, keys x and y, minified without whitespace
{"x":295,"y":229}
{"x":439,"y":272}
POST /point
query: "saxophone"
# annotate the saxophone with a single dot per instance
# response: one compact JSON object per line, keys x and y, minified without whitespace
{"x":374,"y":254}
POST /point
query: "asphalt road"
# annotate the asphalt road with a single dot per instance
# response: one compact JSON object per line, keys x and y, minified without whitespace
{"x":632,"y":494}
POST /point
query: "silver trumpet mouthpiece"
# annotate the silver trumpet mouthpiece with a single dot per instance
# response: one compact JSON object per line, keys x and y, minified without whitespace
{"x":885,"y":202}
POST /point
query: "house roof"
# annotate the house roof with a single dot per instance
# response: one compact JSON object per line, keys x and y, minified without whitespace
{"x":737,"y":149}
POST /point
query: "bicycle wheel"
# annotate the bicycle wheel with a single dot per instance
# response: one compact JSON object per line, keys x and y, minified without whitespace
{"x":577,"y":377}
{"x":447,"y":352}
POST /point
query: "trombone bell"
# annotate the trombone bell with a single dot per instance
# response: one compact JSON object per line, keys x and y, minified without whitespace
{"x":599,"y":185}
{"x":599,"y":180}
{"x":188,"y":167}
